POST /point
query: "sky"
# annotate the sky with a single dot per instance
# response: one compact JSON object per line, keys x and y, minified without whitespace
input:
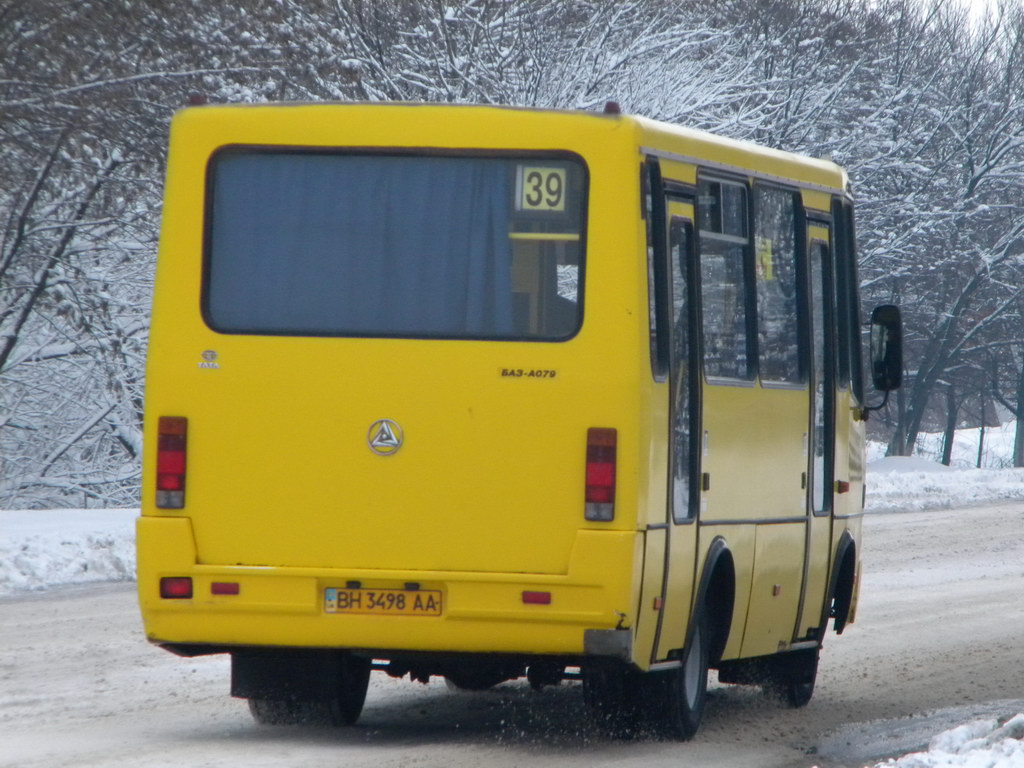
{"x":978,"y":7}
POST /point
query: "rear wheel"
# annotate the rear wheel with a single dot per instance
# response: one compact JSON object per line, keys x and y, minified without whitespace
{"x":293,"y":712}
{"x":612,"y":694}
{"x":342,"y":707}
{"x":684,"y":690}
{"x":794,"y":683}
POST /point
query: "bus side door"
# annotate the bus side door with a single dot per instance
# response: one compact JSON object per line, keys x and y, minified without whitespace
{"x":821,"y":429}
{"x":683,"y":428}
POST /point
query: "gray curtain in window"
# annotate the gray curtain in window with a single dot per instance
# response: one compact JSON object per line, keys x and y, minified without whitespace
{"x":360,"y":244}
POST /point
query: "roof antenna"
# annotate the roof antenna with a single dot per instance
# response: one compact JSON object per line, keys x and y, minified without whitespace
{"x":612,"y":108}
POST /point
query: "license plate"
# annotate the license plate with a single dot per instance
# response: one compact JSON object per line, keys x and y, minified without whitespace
{"x":386,"y":602}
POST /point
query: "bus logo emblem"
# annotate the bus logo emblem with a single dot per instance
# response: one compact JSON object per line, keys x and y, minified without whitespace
{"x":384,"y":437}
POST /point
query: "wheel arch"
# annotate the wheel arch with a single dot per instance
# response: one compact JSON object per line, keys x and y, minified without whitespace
{"x":716,"y":596}
{"x":841,"y":584}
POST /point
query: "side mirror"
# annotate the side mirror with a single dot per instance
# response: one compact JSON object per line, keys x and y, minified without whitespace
{"x":886,"y":348}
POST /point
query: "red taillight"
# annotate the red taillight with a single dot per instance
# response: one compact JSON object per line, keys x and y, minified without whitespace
{"x":172,"y":440}
{"x":537,"y":598}
{"x":600,"y":487}
{"x":176,"y":587}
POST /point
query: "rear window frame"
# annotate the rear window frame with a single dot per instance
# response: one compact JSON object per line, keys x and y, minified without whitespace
{"x":382,"y":151}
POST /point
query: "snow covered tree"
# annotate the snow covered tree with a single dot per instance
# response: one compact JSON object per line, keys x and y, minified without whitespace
{"x":925,"y":111}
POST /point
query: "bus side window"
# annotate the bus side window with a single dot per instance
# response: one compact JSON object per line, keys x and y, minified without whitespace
{"x":847,"y":299}
{"x":685,"y":496}
{"x":856,"y":365}
{"x":657,"y":269}
{"x":776,"y":270}
{"x":722,"y":218}
{"x":823,"y":371}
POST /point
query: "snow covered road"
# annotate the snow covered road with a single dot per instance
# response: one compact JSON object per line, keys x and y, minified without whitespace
{"x":940,"y":626}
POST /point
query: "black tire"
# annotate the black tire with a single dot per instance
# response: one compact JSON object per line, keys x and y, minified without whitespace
{"x":290,"y":712}
{"x":343,"y":708}
{"x":612,"y":693}
{"x":685,"y":689}
{"x":794,"y":684}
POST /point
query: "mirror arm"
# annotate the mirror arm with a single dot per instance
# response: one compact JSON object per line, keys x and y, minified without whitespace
{"x":865,"y":412}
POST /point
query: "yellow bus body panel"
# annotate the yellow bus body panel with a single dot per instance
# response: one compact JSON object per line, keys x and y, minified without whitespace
{"x":278,"y":432}
{"x":483,"y":612}
{"x":485,"y":497}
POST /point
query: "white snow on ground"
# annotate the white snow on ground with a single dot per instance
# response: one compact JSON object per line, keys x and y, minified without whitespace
{"x":978,"y":744}
{"x":911,"y":484}
{"x":918,"y":482}
{"x":41,"y":548}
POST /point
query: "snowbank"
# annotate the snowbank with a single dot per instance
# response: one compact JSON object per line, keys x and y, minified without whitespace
{"x":912,"y":484}
{"x":41,"y":548}
{"x":996,"y":445}
{"x":978,"y":744}
{"x":906,"y":464}
{"x":919,"y":482}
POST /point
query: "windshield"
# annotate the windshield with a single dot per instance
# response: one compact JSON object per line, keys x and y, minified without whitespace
{"x":328,"y":243}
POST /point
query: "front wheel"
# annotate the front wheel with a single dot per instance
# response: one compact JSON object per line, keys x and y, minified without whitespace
{"x":685,"y":688}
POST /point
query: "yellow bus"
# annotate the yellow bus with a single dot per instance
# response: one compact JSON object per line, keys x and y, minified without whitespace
{"x":483,"y":393}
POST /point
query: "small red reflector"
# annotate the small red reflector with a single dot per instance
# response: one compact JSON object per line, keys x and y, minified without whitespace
{"x":537,"y":598}
{"x":842,"y":486}
{"x":225,"y":588}
{"x":176,"y":587}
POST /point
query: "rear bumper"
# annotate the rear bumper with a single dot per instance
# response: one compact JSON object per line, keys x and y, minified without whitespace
{"x":483,"y":612}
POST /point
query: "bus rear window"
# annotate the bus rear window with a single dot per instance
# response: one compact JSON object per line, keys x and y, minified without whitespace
{"x":312,"y":243}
